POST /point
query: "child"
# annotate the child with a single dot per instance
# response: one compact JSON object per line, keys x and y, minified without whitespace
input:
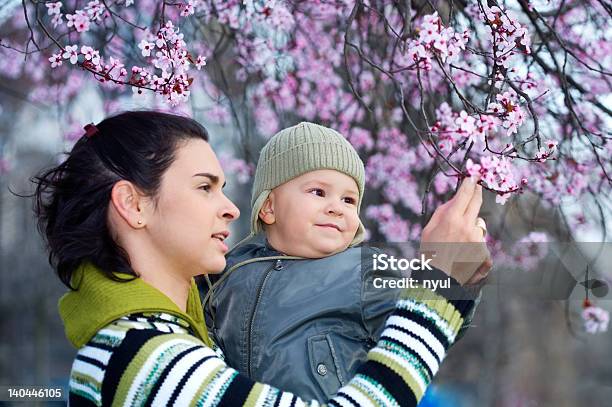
{"x":294,"y":306}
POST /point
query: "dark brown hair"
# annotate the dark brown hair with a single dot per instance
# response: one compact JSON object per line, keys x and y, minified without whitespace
{"x":71,"y":199}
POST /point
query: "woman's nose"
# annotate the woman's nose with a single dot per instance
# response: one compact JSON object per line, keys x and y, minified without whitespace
{"x":230,"y":211}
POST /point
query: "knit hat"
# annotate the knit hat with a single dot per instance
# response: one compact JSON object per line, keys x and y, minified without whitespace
{"x":300,"y":149}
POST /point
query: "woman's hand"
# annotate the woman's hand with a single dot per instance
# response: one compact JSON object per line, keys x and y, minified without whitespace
{"x":454,"y":239}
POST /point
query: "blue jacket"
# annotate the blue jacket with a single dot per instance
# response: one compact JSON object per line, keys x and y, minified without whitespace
{"x":303,"y":325}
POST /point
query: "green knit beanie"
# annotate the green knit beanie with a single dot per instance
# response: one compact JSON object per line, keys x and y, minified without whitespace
{"x":300,"y":149}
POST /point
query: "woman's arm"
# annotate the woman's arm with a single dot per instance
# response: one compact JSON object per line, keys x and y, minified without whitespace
{"x":153,"y":367}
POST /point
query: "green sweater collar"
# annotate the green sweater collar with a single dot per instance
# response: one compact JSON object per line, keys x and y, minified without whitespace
{"x":98,"y":301}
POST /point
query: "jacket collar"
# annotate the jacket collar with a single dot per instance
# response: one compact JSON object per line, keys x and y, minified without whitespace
{"x":98,"y":301}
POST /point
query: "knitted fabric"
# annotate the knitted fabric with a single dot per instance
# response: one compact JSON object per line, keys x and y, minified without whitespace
{"x":297,"y":150}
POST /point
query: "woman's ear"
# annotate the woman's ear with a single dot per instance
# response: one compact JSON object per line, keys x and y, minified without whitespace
{"x":266,"y":213}
{"x":129,"y":204}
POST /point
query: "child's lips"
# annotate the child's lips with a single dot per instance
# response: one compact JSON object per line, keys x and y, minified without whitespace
{"x":330,"y":225}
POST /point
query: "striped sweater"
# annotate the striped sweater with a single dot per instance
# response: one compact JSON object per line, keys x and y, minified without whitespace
{"x":156,"y":358}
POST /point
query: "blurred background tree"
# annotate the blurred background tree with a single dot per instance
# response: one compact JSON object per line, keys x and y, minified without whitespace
{"x":427,"y":91}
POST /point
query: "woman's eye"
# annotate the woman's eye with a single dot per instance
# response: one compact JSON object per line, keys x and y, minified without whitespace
{"x":205,"y":188}
{"x":317,"y":191}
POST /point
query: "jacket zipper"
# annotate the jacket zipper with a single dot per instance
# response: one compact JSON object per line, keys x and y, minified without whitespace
{"x":277,"y":266}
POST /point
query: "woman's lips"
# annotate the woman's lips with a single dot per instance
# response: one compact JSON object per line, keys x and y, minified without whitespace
{"x":222,"y":244}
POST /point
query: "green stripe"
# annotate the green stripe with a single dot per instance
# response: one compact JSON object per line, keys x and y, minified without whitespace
{"x":400,"y":370}
{"x":142,"y":356}
{"x":366,"y":394}
{"x":87,"y":380}
{"x":198,"y":401}
{"x":406,"y":355}
{"x":224,"y":386}
{"x":374,"y":384}
{"x":437,"y":303}
{"x":253,"y":395}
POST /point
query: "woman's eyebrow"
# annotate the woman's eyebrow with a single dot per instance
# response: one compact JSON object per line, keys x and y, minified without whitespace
{"x":214,"y":179}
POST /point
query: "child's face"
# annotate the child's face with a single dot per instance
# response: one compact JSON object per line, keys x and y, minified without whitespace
{"x":313,"y":215}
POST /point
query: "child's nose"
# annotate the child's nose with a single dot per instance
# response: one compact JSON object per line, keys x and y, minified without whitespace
{"x":334,"y":208}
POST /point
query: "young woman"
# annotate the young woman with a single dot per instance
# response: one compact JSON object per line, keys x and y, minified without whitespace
{"x":130,"y":217}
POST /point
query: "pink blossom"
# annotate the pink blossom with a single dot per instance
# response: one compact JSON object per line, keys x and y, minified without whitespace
{"x":57,"y":20}
{"x":80,"y":21}
{"x":472,"y":168}
{"x":360,"y":138}
{"x":54,"y":8}
{"x":200,"y":62}
{"x":91,"y":54}
{"x":146,"y":47}
{"x":56,"y":60}
{"x":595,"y":319}
{"x":71,"y":52}
{"x":187,"y":9}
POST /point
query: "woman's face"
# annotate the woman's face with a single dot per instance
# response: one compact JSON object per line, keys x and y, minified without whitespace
{"x":192,"y":215}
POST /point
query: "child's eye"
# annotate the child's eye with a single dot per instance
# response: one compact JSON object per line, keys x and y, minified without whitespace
{"x":317,"y":191}
{"x":350,"y":201}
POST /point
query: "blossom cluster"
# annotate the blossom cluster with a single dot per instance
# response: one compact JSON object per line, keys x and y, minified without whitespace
{"x":435,"y":39}
{"x":507,"y":35}
{"x":166,"y":50}
{"x":82,"y":19}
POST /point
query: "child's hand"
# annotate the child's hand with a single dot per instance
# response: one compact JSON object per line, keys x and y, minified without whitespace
{"x":453,"y":235}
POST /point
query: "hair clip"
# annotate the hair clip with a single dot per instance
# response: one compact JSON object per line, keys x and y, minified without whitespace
{"x":90,"y":129}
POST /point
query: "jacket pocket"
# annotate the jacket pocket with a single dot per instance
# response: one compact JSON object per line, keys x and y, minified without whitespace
{"x":324,"y":364}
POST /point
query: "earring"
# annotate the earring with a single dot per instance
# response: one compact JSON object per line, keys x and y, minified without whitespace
{"x":140,"y":222}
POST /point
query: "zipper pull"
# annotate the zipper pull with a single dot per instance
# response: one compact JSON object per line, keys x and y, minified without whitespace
{"x":278,"y":265}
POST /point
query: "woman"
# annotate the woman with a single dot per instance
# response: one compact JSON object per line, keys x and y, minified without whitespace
{"x":130,"y":217}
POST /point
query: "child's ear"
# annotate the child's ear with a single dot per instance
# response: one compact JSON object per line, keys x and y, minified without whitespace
{"x":266,"y":213}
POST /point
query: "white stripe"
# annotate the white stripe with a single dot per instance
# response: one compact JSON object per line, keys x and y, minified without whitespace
{"x":98,"y":354}
{"x":262,"y":395}
{"x":152,"y":360}
{"x":215,"y":387}
{"x":440,"y":322}
{"x":422,"y":332}
{"x":178,"y":371}
{"x":417,"y":376}
{"x":343,"y":401}
{"x":85,"y":389}
{"x":88,"y":369}
{"x":358,"y":396}
{"x":300,"y":403}
{"x":416,"y":345}
{"x":161,"y":327}
{"x":285,"y":400}
{"x":209,"y":352}
{"x":195,"y":381}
